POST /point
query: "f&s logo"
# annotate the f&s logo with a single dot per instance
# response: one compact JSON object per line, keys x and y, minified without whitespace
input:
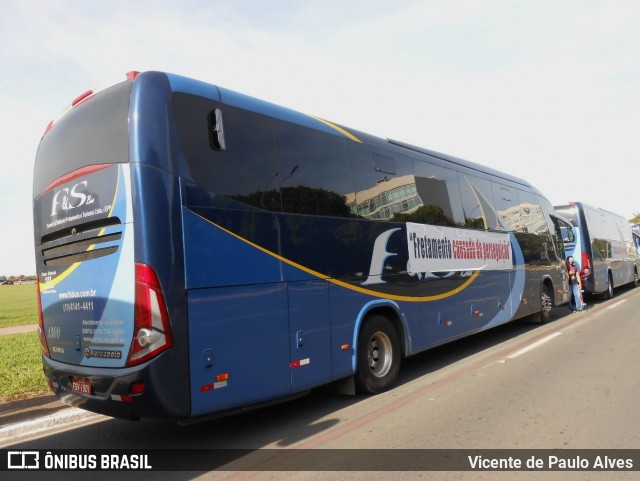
{"x":71,"y":198}
{"x":23,"y":460}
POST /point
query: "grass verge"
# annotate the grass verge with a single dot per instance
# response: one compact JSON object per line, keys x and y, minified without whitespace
{"x":21,"y":367}
{"x":18,"y":305}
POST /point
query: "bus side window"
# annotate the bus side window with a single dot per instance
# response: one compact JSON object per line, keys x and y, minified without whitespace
{"x":567,"y":233}
{"x":315,"y":176}
{"x":439,"y":192}
{"x":477,"y":203}
{"x":509,"y":209}
{"x":385,"y":186}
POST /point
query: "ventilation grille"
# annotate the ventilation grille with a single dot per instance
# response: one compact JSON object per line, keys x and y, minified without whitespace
{"x":82,"y":256}
{"x":80,"y":243}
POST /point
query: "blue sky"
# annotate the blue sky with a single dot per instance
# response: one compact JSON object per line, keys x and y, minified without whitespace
{"x":546,"y":90}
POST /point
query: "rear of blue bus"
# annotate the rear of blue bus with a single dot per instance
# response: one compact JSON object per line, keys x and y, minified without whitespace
{"x":580,"y":246}
{"x":107,"y":289}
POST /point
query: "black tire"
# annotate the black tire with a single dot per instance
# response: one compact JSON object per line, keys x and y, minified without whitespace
{"x":636,"y":281}
{"x":546,"y":305}
{"x":608,"y":294}
{"x":378,"y":356}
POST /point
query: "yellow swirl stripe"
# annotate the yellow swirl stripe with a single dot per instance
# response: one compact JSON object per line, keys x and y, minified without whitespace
{"x":346,"y":284}
{"x":339,"y":129}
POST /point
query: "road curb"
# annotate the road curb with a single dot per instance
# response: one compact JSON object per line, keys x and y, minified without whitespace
{"x":13,"y":433}
{"x":24,"y":409}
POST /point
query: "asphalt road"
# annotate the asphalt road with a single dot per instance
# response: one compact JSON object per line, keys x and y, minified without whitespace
{"x":570,"y":384}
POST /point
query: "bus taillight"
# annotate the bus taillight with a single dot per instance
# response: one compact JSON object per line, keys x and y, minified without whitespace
{"x":82,"y":97}
{"x":152,"y":332}
{"x":585,"y":266}
{"x":41,"y":333}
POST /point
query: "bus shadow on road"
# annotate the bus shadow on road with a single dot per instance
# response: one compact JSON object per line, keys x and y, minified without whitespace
{"x":439,"y":357}
{"x":445,"y":355}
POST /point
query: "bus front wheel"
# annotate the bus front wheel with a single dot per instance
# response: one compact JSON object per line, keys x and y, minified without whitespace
{"x":378,"y":356}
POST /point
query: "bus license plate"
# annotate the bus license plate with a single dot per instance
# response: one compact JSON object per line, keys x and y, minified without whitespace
{"x":81,"y":386}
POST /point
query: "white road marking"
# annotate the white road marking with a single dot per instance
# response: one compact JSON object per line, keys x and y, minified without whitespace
{"x":533,"y":346}
{"x":616,"y":304}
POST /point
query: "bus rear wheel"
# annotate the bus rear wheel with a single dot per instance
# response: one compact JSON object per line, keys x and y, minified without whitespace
{"x":378,"y":356}
{"x":546,"y":304}
{"x":608,"y":294}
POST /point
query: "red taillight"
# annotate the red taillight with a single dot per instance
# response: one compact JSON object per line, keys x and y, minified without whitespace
{"x":585,"y":267}
{"x":41,"y":333}
{"x":132,"y":75}
{"x":152,"y":331}
{"x":137,"y":388}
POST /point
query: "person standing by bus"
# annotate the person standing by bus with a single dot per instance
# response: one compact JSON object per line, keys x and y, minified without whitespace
{"x":575,"y":286}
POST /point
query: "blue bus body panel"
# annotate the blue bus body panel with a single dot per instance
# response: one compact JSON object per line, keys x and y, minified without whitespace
{"x":250,"y":345}
{"x":271,"y":337}
{"x":248,"y":302}
{"x":309,"y":334}
{"x":223,"y":259}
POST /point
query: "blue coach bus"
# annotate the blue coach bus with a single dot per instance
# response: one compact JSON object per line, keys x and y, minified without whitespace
{"x":200,"y":251}
{"x":604,"y":247}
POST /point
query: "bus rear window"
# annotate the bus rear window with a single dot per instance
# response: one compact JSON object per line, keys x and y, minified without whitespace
{"x":93,"y":132}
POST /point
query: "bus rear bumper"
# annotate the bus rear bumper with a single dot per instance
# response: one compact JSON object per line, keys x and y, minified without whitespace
{"x":119,"y":393}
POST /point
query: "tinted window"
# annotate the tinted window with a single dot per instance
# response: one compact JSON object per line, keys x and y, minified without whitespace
{"x":508,"y":208}
{"x":439,"y":191}
{"x":477,"y":202}
{"x":385,"y":187}
{"x":246,"y":170}
{"x":570,"y":213}
{"x":547,"y":211}
{"x":313,"y":171}
{"x":606,"y":226}
{"x":267,"y":163}
{"x":610,"y":234}
{"x":532,"y":215}
{"x":533,"y":233}
{"x":92,"y":133}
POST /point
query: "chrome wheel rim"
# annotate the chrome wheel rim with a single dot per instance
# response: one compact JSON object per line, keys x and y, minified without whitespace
{"x":546,"y":304}
{"x":380,"y":354}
